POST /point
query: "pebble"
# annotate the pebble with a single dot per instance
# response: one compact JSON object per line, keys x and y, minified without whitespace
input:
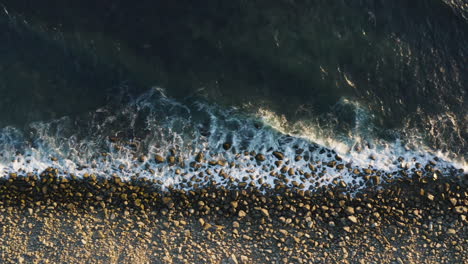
{"x":349,"y":210}
{"x":241,"y":214}
{"x":352,"y":219}
{"x":260,"y":157}
{"x":278,"y":155}
{"x":159,"y":158}
{"x":233,"y":260}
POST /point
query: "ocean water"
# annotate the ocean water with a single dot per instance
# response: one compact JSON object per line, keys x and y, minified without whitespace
{"x":103,"y":88}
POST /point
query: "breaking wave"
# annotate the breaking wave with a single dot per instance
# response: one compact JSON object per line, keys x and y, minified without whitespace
{"x":192,"y":143}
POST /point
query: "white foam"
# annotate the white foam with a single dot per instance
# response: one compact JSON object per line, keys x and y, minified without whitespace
{"x":154,"y":123}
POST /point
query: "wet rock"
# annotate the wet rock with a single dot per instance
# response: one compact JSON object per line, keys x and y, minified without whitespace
{"x":227,"y":146}
{"x":171,"y":160}
{"x":200,"y":157}
{"x":278,"y":155}
{"x":260,"y":157}
{"x":278,"y":163}
{"x":376,"y":179}
{"x":159,"y":159}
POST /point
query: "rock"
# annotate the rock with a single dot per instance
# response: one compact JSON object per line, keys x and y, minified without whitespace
{"x":227,"y":146}
{"x":278,"y":155}
{"x":430,"y":197}
{"x":171,"y":160}
{"x":232,"y":260}
{"x":353,"y":219}
{"x":376,"y":179}
{"x":234,"y":204}
{"x":453,"y":201}
{"x":158,"y":159}
{"x":241,"y":214}
{"x":263,"y":211}
{"x":207,"y":226}
{"x":200,"y":157}
{"x":460,"y":209}
{"x":349,"y":210}
{"x":260,"y":157}
{"x":451,"y":231}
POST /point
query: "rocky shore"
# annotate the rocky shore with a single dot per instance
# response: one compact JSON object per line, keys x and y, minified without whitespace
{"x":52,"y":219}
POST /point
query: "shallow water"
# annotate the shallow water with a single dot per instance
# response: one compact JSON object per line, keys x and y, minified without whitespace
{"x":124,"y":141}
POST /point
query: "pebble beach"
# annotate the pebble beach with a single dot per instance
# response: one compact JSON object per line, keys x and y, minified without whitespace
{"x":48,"y":218}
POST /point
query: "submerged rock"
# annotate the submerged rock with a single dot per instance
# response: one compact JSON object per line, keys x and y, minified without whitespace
{"x":260,"y":157}
{"x":227,"y":146}
{"x":278,"y":155}
{"x":159,"y":158}
{"x":200,"y":157}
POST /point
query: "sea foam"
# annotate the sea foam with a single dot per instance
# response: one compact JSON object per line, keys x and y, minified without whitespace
{"x":124,"y":142}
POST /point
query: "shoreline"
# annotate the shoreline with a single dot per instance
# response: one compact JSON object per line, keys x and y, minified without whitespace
{"x":106,"y":220}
